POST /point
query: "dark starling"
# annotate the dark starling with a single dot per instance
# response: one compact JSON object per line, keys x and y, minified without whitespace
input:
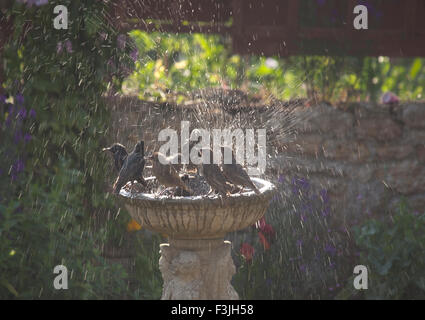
{"x":166,"y":174}
{"x":132,"y":168}
{"x":214,"y":176}
{"x":119,"y":153}
{"x":235,"y":174}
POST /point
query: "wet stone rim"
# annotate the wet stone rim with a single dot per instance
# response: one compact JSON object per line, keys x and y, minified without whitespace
{"x":199,"y":217}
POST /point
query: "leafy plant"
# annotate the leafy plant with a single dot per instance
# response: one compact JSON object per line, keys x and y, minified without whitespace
{"x":171,"y":65}
{"x":54,"y":207}
{"x":394,"y":252}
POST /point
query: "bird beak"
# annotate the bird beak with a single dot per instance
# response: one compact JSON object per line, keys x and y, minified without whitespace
{"x":106,"y":149}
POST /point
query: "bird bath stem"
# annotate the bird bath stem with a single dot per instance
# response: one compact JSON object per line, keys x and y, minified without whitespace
{"x":196,"y":263}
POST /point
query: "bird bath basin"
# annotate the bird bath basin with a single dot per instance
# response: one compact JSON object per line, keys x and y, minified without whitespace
{"x":196,"y":263}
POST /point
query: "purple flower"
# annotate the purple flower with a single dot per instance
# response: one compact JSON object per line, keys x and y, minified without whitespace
{"x":367,"y":4}
{"x":18,"y":136}
{"x":68,"y":46}
{"x":27,"y":137}
{"x":321,"y":2}
{"x":299,"y":243}
{"x":303,"y":268}
{"x":281,"y":178}
{"x":300,"y":184}
{"x":22,"y":113}
{"x":325,"y":212}
{"x":32,"y":113}
{"x":307,"y":208}
{"x":41,"y":2}
{"x":19,"y":166}
{"x":121,"y":41}
{"x":30,"y":3}
{"x":59,"y":47}
{"x":2,"y":98}
{"x":324,"y":195}
{"x":10,"y":112}
{"x":330,"y":249}
{"x":19,"y":99}
{"x":134,"y":55}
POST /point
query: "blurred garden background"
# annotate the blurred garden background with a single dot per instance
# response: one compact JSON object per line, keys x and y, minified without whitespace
{"x":55,"y":201}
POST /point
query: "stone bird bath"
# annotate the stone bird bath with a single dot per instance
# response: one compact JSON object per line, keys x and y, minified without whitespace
{"x":196,"y":263}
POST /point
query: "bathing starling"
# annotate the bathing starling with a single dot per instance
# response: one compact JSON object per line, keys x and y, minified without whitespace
{"x":214,"y":176}
{"x":132,"y":168}
{"x":119,"y":153}
{"x":176,"y":158}
{"x":235,"y":174}
{"x":166,"y":174}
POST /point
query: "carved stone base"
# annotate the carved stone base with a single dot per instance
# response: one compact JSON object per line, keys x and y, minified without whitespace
{"x":197,"y":270}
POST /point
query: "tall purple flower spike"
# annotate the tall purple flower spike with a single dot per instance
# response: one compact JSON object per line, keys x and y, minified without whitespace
{"x":68,"y":46}
{"x":37,"y":3}
{"x":134,"y":55}
{"x":19,"y":99}
{"x":32,"y":113}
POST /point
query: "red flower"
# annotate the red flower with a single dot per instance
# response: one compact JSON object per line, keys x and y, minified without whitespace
{"x":247,"y":251}
{"x":268,"y":231}
{"x":264,"y":241}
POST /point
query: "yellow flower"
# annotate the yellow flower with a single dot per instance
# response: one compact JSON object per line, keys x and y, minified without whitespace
{"x":181,"y":64}
{"x":133,"y":226}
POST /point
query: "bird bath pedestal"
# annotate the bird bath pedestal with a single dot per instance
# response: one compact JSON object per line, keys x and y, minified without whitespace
{"x":196,"y":263}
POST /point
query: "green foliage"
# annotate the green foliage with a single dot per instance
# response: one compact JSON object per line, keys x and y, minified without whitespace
{"x":394,"y":252}
{"x":147,"y":279}
{"x":54,"y":208}
{"x":180,"y":63}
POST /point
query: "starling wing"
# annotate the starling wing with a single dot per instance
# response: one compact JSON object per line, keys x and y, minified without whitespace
{"x":132,"y":168}
{"x":215,"y":178}
{"x":238,"y":176}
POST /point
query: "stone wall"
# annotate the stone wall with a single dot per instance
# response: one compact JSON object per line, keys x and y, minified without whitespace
{"x":367,"y":156}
